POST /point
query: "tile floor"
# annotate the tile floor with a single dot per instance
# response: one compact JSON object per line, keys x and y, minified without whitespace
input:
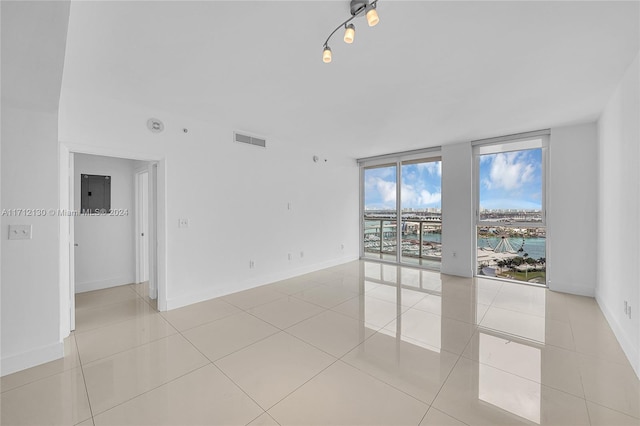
{"x":341,"y":346}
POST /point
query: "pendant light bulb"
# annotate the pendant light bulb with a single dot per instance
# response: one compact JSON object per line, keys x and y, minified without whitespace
{"x":349,"y":33}
{"x":372,"y":16}
{"x":326,"y":55}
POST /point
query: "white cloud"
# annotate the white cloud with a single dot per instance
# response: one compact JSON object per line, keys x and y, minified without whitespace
{"x":385,"y":189}
{"x":381,"y":193}
{"x":414,"y":197}
{"x":430,"y":198}
{"x":509,"y":171}
{"x":433,"y":167}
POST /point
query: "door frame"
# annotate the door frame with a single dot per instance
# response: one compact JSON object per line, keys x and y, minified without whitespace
{"x":393,"y":160}
{"x":66,"y":213}
{"x":142,"y":224}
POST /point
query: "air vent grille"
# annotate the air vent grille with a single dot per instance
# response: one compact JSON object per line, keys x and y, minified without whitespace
{"x":239,"y":137}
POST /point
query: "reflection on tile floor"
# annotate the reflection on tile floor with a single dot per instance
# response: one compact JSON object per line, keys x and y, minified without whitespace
{"x":345,"y":345}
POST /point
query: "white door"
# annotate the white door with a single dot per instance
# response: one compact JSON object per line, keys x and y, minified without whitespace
{"x":152,"y":220}
{"x":72,"y":246}
{"x":142,"y":219}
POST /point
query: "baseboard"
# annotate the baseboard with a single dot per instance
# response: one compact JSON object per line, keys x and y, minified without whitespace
{"x":625,"y":342}
{"x":572,"y":289}
{"x":102,"y":284}
{"x":189,"y":299}
{"x":14,"y":363}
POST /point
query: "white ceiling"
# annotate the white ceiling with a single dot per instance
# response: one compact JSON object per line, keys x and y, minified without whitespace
{"x":33,"y":41}
{"x":430,"y":73}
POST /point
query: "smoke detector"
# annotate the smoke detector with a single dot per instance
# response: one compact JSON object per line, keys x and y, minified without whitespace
{"x":155,"y":125}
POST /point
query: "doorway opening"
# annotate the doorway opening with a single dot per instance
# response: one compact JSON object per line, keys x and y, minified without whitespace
{"x":110,"y":255}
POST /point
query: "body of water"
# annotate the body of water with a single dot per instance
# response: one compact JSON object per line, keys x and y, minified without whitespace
{"x":535,"y":247}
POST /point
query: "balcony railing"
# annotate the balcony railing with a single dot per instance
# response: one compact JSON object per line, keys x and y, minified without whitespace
{"x":420,"y":238}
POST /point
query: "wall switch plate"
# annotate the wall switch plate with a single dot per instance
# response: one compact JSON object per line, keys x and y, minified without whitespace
{"x":19,"y":232}
{"x":183,"y":223}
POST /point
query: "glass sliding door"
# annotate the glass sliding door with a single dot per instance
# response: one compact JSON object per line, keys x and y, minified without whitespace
{"x":421,"y":225}
{"x":408,"y":188}
{"x":511,"y":223}
{"x":380,"y":212}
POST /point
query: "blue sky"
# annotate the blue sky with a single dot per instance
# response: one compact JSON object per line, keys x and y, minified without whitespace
{"x":421,"y":187}
{"x":511,"y":180}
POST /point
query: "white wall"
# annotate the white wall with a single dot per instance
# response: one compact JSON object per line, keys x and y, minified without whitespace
{"x":619,"y":213}
{"x":33,"y":42}
{"x":105,"y":255}
{"x":572,"y":207}
{"x":235,"y":197}
{"x":30,"y":292}
{"x":457,"y":210}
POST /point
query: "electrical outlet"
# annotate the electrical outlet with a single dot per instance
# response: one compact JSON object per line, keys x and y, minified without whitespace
{"x":289,"y":206}
{"x":455,"y":254}
{"x":341,"y":246}
{"x":251,"y":264}
{"x":183,"y":223}
{"x":19,"y":232}
{"x":301,"y":254}
{"x":289,"y":256}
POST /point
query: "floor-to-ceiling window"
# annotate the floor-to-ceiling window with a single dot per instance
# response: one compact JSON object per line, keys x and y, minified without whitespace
{"x":380,"y":212}
{"x":401,"y":210}
{"x":421,"y":190}
{"x":510,"y":211}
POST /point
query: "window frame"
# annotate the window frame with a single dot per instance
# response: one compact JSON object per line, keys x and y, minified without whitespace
{"x":511,"y":143}
{"x":396,"y":160}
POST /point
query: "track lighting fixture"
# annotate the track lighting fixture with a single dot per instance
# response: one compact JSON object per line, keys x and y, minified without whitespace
{"x":326,"y":54}
{"x":372,"y":16}
{"x":358,"y":8}
{"x":349,"y":33}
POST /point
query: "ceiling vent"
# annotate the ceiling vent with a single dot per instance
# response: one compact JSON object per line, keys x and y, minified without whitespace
{"x":251,"y":140}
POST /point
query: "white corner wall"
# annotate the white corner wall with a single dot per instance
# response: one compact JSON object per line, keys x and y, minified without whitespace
{"x":30,"y":292}
{"x":236,"y":197}
{"x":571,"y":209}
{"x":33,"y":43}
{"x":105,"y":252}
{"x":619,"y":213}
{"x":458,"y":235}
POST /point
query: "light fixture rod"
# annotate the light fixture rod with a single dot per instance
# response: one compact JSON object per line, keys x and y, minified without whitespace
{"x":337,"y":28}
{"x":354,"y":16}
